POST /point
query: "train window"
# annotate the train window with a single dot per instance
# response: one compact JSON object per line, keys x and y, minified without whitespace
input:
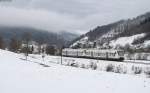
{"x":85,"y":51}
{"x":98,"y":54}
{"x":114,"y":54}
{"x":110,"y":54}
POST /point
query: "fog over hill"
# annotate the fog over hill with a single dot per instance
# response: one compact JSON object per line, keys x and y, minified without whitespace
{"x":37,"y":35}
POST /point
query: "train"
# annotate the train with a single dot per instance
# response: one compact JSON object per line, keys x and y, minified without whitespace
{"x":101,"y":54}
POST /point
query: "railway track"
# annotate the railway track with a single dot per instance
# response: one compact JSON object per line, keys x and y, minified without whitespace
{"x":136,"y":62}
{"x":125,"y":61}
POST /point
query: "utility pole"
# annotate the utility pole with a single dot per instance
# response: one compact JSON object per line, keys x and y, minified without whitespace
{"x":43,"y":54}
{"x":61,"y":54}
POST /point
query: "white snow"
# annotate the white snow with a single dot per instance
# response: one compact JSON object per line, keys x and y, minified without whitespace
{"x":146,"y":43}
{"x":126,"y":40}
{"x":82,"y":41}
{"x":20,"y":76}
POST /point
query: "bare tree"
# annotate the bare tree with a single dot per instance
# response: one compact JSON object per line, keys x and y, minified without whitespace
{"x":1,"y":43}
{"x":26,"y":39}
{"x":14,"y":45}
{"x":40,"y":43}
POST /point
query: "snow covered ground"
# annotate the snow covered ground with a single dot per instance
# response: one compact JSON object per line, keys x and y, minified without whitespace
{"x":126,"y":40}
{"x":21,"y":76}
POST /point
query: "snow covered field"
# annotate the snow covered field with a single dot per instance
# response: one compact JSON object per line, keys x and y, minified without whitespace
{"x":20,"y":76}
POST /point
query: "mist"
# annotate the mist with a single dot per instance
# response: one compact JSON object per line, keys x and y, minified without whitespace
{"x":69,"y":15}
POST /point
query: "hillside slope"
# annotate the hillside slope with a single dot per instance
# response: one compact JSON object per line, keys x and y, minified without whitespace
{"x":101,"y":36}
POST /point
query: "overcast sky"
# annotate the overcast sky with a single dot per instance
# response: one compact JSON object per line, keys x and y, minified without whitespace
{"x":77,"y":16}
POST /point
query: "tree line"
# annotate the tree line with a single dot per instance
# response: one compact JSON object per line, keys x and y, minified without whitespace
{"x":23,"y":45}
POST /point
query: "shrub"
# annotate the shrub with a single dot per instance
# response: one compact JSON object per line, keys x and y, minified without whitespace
{"x":91,"y":64}
{"x":74,"y":65}
{"x":147,"y":72}
{"x":82,"y":66}
{"x":94,"y":67}
{"x":137,"y":70}
{"x":118,"y":69}
{"x":110,"y":68}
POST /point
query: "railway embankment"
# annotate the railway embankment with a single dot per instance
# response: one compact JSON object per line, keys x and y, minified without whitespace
{"x":134,"y":67}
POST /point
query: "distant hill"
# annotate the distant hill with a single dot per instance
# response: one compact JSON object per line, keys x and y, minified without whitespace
{"x":58,"y":39}
{"x":104,"y":36}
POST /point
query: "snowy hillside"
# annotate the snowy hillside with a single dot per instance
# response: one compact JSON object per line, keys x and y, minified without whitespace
{"x":122,"y":41}
{"x":82,"y":42}
{"x":32,"y":76}
{"x":124,"y":30}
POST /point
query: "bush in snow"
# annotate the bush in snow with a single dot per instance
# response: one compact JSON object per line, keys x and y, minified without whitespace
{"x":147,"y":71}
{"x":120,"y":69}
{"x":93,"y":65}
{"x":74,"y":64}
{"x":69,"y":63}
{"x":82,"y":66}
{"x":110,"y":68}
{"x":136,"y":70}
